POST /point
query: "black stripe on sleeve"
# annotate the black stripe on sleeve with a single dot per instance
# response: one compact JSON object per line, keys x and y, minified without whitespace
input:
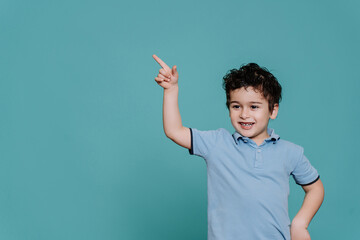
{"x":191,"y":150}
{"x":311,"y":182}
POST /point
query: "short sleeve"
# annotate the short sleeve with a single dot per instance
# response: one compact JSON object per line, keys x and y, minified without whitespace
{"x":203,"y":141}
{"x":304,"y":173}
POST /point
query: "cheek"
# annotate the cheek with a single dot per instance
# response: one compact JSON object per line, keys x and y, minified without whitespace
{"x":262,"y":116}
{"x":232,"y":116}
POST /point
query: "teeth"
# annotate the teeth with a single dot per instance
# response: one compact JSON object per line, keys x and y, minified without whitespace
{"x":246,"y":124}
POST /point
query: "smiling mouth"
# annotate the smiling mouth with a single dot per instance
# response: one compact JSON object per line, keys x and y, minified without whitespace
{"x":246,"y":124}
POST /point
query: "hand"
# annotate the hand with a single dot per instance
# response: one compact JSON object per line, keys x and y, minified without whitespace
{"x":299,"y":233}
{"x":167,"y":77}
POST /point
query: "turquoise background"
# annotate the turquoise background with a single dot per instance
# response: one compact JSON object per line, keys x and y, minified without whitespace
{"x":82,"y":149}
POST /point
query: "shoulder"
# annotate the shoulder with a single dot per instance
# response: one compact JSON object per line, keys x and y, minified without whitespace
{"x":210,"y":136}
{"x":293,"y":152}
{"x":290,"y":150}
{"x":285,"y":144}
{"x":203,"y":142}
{"x":223,"y":134}
{"x":223,"y":131}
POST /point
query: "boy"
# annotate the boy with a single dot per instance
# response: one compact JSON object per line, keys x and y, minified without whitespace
{"x":248,"y":172}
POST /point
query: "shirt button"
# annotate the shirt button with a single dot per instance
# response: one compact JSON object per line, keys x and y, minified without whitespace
{"x":245,"y":140}
{"x":259,"y":150}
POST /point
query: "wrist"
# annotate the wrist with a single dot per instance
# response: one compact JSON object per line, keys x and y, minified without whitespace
{"x":299,"y":222}
{"x":172,"y":88}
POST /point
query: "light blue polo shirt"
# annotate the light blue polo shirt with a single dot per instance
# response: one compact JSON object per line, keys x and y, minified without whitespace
{"x":248,"y":185}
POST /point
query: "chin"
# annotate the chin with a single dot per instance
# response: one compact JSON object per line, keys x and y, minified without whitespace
{"x":244,"y":133}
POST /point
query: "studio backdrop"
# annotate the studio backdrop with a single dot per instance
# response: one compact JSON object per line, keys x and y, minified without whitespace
{"x":83,"y":154}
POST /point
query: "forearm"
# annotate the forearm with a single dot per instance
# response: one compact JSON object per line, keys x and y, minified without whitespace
{"x":311,"y":204}
{"x":173,"y":128}
{"x":171,"y":114}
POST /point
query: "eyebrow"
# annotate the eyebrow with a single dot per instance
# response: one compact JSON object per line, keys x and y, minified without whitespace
{"x":249,"y":102}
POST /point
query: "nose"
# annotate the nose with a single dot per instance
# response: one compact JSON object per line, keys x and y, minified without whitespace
{"x":244,"y":113}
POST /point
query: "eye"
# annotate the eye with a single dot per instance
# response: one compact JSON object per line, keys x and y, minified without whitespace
{"x":235,"y":106}
{"x":254,"y":106}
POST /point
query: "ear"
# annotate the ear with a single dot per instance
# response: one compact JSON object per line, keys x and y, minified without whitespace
{"x":275,"y":111}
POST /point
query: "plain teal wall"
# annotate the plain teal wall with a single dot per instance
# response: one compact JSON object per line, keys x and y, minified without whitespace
{"x":82,"y":150}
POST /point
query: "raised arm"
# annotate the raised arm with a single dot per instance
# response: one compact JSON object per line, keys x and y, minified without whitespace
{"x":173,"y":128}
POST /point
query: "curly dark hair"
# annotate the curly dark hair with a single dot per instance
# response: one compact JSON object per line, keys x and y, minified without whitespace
{"x":251,"y":75}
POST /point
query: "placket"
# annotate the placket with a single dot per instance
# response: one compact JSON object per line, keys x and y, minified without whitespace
{"x":258,"y":163}
{"x":258,"y":157}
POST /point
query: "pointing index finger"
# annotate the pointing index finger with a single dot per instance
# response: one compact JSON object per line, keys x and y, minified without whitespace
{"x":162,"y":64}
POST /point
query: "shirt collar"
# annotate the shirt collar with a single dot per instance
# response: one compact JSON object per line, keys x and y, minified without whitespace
{"x":273,"y":136}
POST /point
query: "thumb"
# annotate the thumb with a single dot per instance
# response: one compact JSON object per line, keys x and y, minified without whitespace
{"x":174,"y":71}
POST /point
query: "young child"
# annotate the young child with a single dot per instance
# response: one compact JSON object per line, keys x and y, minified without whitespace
{"x":248,"y":171}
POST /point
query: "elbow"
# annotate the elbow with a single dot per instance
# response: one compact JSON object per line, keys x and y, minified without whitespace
{"x":170,"y":135}
{"x":173,"y":133}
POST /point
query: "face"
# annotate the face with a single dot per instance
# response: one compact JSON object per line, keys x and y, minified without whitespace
{"x":249,"y":113}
